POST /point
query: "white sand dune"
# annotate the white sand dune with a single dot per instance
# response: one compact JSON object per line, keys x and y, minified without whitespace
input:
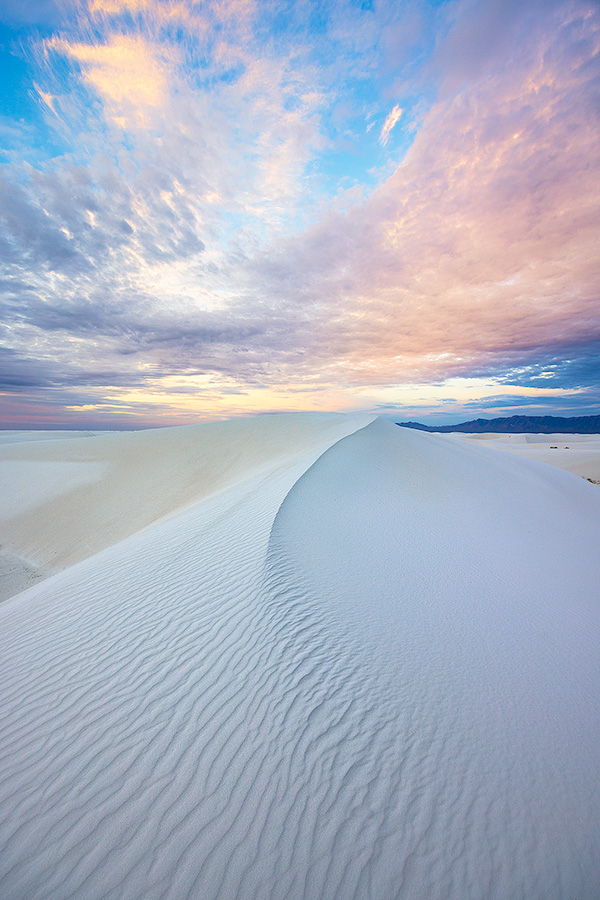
{"x":20,"y":436}
{"x":64,"y":500}
{"x":337,"y":659}
{"x":577,"y":453}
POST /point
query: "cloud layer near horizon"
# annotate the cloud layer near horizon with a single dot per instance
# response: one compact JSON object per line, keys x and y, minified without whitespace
{"x":202,"y":219}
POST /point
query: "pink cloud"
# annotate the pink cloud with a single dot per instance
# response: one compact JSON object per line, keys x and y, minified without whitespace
{"x":129,"y":73}
{"x":484,"y":240}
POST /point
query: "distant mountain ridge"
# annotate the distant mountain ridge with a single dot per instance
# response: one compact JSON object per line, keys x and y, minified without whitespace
{"x":519,"y":424}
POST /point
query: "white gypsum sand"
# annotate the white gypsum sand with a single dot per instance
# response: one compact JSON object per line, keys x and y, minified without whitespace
{"x":362,"y":666}
{"x":577,"y":453}
{"x":64,"y":500}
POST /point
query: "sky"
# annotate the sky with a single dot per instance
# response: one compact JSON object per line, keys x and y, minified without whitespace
{"x":211,"y":209}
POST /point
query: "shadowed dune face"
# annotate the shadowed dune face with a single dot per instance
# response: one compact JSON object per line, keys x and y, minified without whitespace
{"x":66,"y":499}
{"x":366,"y":670}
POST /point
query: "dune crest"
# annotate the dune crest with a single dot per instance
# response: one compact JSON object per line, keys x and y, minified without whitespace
{"x":71,"y":497}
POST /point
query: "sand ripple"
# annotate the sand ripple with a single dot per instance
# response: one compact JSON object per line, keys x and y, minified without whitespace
{"x":284,"y":699}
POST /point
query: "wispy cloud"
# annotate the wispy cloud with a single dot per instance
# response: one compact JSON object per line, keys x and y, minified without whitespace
{"x":129,"y":74}
{"x":392,"y":119}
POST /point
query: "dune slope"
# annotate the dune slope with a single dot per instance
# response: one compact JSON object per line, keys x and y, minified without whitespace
{"x":62,"y":499}
{"x":367,"y":670}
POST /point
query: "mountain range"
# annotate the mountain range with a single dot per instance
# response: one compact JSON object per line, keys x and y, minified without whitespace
{"x":519,"y":424}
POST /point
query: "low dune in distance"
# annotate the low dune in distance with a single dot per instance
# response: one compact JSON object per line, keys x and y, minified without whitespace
{"x":298,"y":657}
{"x":576,"y":453}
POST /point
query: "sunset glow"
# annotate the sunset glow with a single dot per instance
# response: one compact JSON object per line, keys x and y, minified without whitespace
{"x":211,"y":209}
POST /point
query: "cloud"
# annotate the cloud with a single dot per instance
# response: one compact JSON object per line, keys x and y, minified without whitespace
{"x":515,"y":404}
{"x":28,"y":233}
{"x":17,"y":372}
{"x":112,"y":7}
{"x":28,"y":12}
{"x":129,"y":74}
{"x":189,"y":230}
{"x":574,"y":367}
{"x":392,"y":119}
{"x":483,"y":34}
{"x":482,"y":241}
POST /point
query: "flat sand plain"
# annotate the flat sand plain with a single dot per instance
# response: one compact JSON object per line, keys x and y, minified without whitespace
{"x":577,"y":453}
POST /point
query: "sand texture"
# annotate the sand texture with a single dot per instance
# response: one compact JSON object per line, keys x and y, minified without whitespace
{"x":323,"y":658}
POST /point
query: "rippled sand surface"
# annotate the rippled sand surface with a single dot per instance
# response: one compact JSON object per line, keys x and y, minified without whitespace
{"x":294,"y":658}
